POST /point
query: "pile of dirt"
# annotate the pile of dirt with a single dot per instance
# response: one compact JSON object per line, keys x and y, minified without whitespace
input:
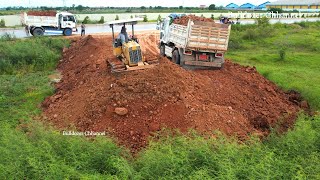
{"x":185,"y":19}
{"x":132,"y":106}
{"x":41,"y":13}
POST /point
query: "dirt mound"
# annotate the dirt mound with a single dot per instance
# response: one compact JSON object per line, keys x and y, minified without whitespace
{"x":185,"y":19}
{"x":41,"y":13}
{"x":132,"y":106}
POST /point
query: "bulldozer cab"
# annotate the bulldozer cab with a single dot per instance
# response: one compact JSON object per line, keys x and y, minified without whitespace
{"x":126,"y":48}
{"x":123,"y":38}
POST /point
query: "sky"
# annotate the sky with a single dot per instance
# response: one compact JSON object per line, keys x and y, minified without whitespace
{"x":124,"y":3}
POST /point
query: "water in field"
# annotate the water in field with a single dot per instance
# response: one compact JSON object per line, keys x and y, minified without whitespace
{"x":14,"y":20}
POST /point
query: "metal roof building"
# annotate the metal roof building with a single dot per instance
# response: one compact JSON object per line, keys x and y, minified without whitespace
{"x":263,"y":6}
{"x":232,"y":6}
{"x":247,"y":6}
{"x":300,"y":5}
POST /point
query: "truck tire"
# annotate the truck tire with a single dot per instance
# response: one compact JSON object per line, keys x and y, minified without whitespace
{"x":176,"y":56}
{"x":67,"y":32}
{"x":37,"y":32}
{"x":162,"y":50}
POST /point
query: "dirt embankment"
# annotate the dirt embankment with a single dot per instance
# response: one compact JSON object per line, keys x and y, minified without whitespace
{"x":236,"y":100}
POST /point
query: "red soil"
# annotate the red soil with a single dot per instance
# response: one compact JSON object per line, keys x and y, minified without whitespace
{"x":236,"y":100}
{"x":185,"y":19}
{"x":41,"y":13}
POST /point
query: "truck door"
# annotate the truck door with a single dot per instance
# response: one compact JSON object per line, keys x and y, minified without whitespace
{"x":64,"y":22}
{"x":164,"y":32}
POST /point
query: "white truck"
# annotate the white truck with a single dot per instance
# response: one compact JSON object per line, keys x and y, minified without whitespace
{"x":199,"y":44}
{"x":58,"y":22}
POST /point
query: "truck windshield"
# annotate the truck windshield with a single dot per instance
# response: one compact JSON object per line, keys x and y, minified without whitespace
{"x":71,"y":18}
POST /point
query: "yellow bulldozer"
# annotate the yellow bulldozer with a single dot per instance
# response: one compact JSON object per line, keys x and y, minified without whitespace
{"x":127,"y":50}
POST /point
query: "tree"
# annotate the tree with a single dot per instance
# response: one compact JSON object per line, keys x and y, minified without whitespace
{"x":180,"y":7}
{"x":79,"y":8}
{"x":73,"y":6}
{"x":101,"y":21}
{"x":2,"y":23}
{"x":212,"y":7}
{"x":279,"y":10}
{"x":142,"y":7}
{"x":86,"y":20}
{"x":212,"y":16}
{"x":117,"y":17}
{"x":145,"y":19}
{"x":159,"y":18}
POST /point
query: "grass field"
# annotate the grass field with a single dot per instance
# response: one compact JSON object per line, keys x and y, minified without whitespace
{"x":286,"y":54}
{"x":32,"y":150}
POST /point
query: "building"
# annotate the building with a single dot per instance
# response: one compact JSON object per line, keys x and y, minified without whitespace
{"x":247,"y":6}
{"x":263,"y":6}
{"x":203,"y":6}
{"x":299,"y":5}
{"x":232,"y":6}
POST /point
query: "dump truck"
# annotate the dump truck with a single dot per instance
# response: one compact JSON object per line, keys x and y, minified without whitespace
{"x":40,"y":22}
{"x":197,"y":44}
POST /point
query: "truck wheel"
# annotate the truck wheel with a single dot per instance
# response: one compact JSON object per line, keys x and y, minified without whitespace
{"x":67,"y":32}
{"x":162,"y":50}
{"x":37,"y":32}
{"x":176,"y":57}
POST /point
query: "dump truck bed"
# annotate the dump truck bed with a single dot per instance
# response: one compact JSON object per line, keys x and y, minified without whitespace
{"x":38,"y":20}
{"x":201,"y":36}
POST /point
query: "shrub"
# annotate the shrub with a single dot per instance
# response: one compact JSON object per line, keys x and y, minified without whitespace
{"x":117,"y":17}
{"x":131,"y":17}
{"x":17,"y":56}
{"x":159,"y":18}
{"x":275,"y":10}
{"x":101,"y":21}
{"x":251,"y":34}
{"x":86,"y":20}
{"x":264,"y":21}
{"x":212,"y":16}
{"x":2,"y":23}
{"x":145,"y":18}
{"x":282,"y":53}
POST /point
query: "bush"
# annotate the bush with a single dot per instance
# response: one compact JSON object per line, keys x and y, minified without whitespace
{"x":2,"y":23}
{"x":36,"y":54}
{"x":159,"y":18}
{"x":145,"y":18}
{"x":275,"y":10}
{"x":86,"y":20}
{"x":282,"y":53}
{"x":117,"y":17}
{"x":264,"y":21}
{"x":101,"y":21}
{"x":251,"y":34}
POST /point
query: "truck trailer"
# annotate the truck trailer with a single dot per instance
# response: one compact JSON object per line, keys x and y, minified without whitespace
{"x":197,"y":44}
{"x":39,"y":23}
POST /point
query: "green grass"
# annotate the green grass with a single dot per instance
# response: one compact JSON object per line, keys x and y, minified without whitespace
{"x":32,"y":150}
{"x":297,"y":69}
